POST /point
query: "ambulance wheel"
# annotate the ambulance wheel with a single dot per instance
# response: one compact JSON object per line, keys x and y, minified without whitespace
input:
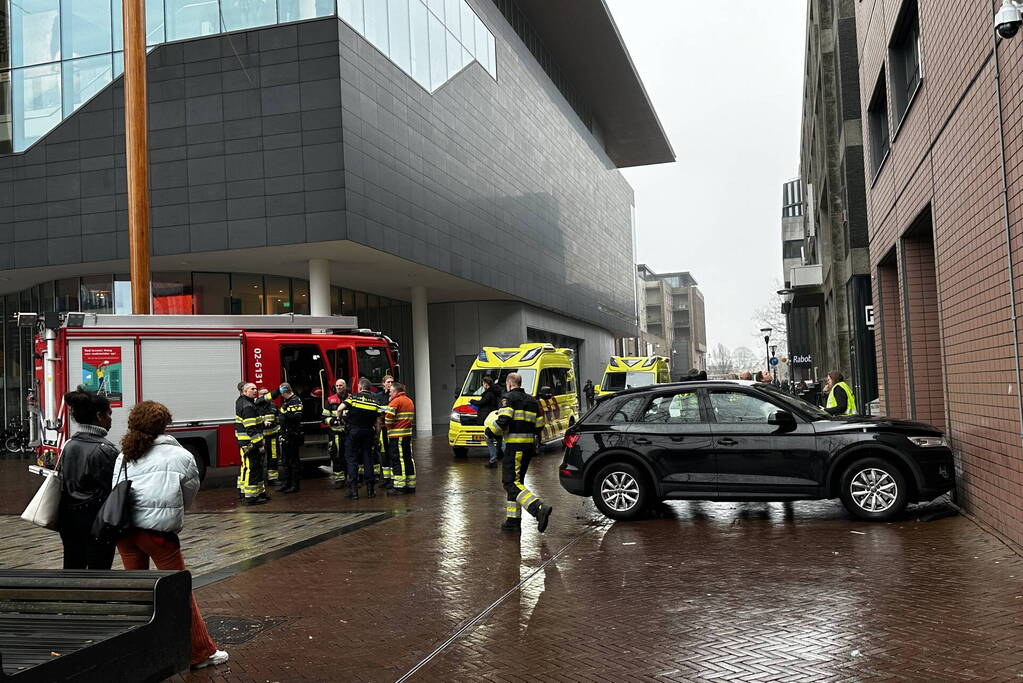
{"x":460,"y":451}
{"x":200,"y":461}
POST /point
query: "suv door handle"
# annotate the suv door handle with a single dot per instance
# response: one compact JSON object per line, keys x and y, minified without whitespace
{"x":642,"y":441}
{"x":727,"y":442}
{"x":678,"y":438}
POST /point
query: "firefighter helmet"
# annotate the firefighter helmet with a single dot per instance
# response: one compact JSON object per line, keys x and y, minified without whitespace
{"x":491,"y":423}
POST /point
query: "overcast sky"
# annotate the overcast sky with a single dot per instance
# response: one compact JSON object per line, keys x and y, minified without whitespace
{"x":726,"y":80}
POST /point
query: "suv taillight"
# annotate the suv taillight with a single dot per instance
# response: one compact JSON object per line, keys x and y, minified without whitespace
{"x":571,"y":440}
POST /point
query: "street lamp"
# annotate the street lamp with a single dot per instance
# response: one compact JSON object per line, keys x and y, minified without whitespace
{"x":787,"y":295}
{"x":766,"y":331}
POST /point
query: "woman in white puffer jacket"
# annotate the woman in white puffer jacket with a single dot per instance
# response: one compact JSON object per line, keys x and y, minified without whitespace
{"x":164,"y":480}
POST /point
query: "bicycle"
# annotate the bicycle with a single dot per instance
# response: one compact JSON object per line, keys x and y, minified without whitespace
{"x":16,"y":436}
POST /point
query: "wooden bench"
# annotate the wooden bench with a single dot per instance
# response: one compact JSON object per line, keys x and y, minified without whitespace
{"x":70,"y":625}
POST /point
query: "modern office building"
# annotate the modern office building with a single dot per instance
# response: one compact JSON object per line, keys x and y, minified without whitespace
{"x":674,"y":311}
{"x":832,"y":303}
{"x":446,"y":170}
{"x":944,"y":158}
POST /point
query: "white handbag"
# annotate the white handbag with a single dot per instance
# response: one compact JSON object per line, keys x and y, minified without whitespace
{"x":44,"y":508}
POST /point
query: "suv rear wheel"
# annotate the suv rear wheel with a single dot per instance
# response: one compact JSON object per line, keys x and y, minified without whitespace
{"x":621,"y":491}
{"x":874,"y":489}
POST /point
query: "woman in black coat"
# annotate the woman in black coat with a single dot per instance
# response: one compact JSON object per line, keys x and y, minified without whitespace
{"x":487,"y":403}
{"x":86,"y":468}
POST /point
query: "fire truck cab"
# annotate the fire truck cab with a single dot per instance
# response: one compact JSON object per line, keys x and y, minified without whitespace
{"x":193,"y":364}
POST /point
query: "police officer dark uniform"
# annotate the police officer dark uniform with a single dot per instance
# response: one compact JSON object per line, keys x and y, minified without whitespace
{"x":291,"y":439}
{"x":336,"y":442}
{"x":361,"y":413}
{"x":248,"y":431}
{"x":520,"y":420}
{"x":271,"y":435}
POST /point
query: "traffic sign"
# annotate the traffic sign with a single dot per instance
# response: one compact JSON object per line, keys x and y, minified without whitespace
{"x":774,"y":361}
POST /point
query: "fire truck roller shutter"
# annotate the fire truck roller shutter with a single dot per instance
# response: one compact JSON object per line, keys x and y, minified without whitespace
{"x":118,"y":379}
{"x":195,"y":378}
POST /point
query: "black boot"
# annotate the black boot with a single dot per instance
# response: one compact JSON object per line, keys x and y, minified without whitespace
{"x":370,"y":493}
{"x":543,"y":516}
{"x":512,"y":524}
{"x":353,"y":493}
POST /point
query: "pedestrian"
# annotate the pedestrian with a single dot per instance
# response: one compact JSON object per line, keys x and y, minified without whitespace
{"x":360,"y":414}
{"x":401,"y":413}
{"x":164,"y":481}
{"x":336,"y":440}
{"x":589,"y":391}
{"x":292,"y":439}
{"x":384,"y":470}
{"x":267,"y":411}
{"x":840,"y":395}
{"x":521,"y":422}
{"x":248,"y":431}
{"x":86,"y":468}
{"x":487,"y":403}
{"x":746,"y":375}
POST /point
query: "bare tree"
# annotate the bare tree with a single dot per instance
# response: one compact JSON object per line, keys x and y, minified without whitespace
{"x":719,"y":360}
{"x":744,"y":359}
{"x":770,"y":315}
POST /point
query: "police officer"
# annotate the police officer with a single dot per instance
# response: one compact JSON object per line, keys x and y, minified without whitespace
{"x":291,"y":439}
{"x":398,"y":420}
{"x":361,"y":412}
{"x":271,"y":435}
{"x":520,"y":420}
{"x":248,"y":431}
{"x":336,"y":442}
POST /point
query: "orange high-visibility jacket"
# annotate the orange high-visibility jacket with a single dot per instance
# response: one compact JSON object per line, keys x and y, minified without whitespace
{"x":398,"y":418}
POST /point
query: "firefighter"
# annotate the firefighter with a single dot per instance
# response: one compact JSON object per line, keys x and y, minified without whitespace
{"x":384,"y":471}
{"x":291,"y":439}
{"x":336,"y":442}
{"x":520,"y":420}
{"x":398,"y":422}
{"x":361,"y":412}
{"x":271,"y":435}
{"x":248,"y":431}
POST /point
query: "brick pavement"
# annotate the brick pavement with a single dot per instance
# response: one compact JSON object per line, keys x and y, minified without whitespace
{"x":699,"y":591}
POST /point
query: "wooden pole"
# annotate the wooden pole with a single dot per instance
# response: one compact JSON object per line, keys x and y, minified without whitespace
{"x":137,"y":151}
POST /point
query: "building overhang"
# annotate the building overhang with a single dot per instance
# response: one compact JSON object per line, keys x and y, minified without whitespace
{"x":585,"y":43}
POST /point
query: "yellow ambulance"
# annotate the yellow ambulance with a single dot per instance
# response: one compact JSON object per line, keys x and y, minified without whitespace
{"x":547,"y":373}
{"x":626,"y":372}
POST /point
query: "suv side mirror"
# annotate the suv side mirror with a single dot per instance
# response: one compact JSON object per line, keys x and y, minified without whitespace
{"x":782,"y":418}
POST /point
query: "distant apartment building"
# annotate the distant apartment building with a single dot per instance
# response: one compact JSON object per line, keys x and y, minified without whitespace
{"x":674,"y":312}
{"x":829,"y":319}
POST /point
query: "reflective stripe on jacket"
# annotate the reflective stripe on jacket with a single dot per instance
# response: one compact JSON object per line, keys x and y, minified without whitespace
{"x":248,"y":425}
{"x":399,"y":415}
{"x":519,"y":417}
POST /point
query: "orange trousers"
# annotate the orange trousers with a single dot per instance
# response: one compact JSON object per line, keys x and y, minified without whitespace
{"x":137,"y":547}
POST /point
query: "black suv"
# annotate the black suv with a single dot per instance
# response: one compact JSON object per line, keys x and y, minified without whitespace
{"x":733,"y":440}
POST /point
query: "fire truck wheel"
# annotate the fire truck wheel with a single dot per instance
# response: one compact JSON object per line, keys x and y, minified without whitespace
{"x":200,"y":461}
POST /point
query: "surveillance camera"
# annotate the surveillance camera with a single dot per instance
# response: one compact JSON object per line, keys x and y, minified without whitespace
{"x":1008,"y":19}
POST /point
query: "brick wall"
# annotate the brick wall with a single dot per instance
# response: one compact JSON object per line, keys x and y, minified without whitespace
{"x":946,"y":305}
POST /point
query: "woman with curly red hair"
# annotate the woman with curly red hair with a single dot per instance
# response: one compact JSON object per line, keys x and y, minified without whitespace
{"x":164,"y":480}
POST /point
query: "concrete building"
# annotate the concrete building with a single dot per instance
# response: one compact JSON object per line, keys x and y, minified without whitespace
{"x":832,"y":284}
{"x":445,"y":170}
{"x":675,"y":312}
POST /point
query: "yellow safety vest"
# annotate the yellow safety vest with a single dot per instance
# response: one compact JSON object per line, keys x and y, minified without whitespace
{"x":850,"y":407}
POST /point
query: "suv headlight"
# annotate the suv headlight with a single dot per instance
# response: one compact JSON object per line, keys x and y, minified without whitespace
{"x":929,"y":441}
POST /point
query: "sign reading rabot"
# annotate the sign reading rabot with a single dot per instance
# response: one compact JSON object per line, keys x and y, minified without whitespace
{"x":101,"y":372}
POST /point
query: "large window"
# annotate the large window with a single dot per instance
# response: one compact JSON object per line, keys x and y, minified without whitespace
{"x":680,"y":408}
{"x":877,"y":121}
{"x":904,"y":60}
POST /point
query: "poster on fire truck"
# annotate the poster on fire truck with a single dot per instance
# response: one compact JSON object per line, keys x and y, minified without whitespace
{"x":101,"y":372}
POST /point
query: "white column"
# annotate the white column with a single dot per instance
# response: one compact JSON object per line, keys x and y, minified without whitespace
{"x":319,"y":286}
{"x":421,"y":342}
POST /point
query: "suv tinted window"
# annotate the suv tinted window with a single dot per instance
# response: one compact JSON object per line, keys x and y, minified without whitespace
{"x":626,"y":411}
{"x":680,"y":408}
{"x":733,"y":407}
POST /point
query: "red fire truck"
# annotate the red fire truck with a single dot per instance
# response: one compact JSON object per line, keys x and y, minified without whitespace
{"x":192,"y":364}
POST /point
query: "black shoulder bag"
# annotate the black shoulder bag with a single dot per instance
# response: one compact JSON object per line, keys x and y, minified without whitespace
{"x":114,"y":518}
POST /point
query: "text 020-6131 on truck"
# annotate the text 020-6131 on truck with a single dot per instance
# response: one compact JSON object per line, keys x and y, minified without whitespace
{"x":629,"y":372}
{"x":547,"y":374}
{"x":193,"y":364}
{"x":745,"y":441}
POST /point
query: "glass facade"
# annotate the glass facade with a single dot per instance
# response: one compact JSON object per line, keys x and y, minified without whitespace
{"x":183,"y":293}
{"x":61,"y":53}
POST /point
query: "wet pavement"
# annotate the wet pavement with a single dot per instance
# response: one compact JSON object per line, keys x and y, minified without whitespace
{"x":698,"y":591}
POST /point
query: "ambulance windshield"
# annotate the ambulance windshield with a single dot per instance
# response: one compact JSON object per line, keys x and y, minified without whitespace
{"x":474,"y":382}
{"x":616,"y":381}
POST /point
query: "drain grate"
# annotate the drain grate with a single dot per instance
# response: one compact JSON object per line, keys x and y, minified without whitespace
{"x":237,"y":630}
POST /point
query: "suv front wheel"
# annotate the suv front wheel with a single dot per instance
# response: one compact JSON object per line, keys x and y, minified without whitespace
{"x":621,"y":491}
{"x":874,"y":489}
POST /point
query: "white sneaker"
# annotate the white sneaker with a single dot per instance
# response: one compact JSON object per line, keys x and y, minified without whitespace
{"x":217,"y":658}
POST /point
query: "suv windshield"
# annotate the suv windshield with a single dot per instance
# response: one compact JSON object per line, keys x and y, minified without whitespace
{"x":474,"y":381}
{"x":617,"y":381}
{"x":796,"y":403}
